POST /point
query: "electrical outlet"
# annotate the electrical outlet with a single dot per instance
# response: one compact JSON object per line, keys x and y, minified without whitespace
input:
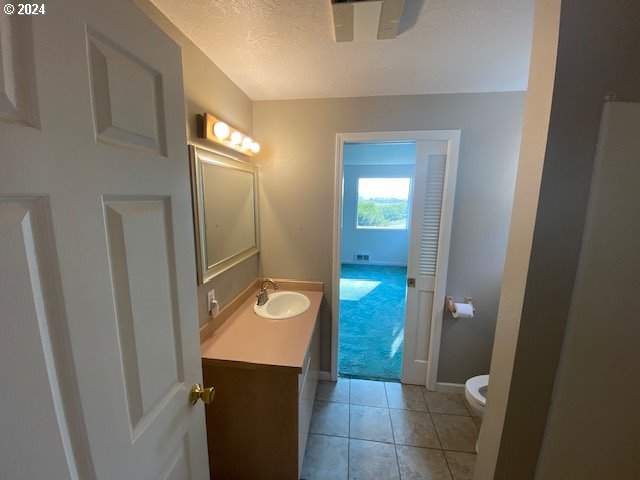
{"x":212,"y":303}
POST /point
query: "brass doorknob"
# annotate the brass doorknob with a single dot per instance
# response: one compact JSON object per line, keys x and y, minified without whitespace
{"x":204,"y":394}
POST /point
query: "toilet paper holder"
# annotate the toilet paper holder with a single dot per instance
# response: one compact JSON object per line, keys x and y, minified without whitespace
{"x":451,"y":307}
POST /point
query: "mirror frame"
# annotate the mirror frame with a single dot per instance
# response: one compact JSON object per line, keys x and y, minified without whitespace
{"x":199,"y":155}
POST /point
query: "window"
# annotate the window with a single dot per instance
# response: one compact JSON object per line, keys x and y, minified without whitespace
{"x":383,"y":203}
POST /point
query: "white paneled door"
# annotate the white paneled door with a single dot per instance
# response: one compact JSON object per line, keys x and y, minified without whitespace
{"x":431,"y":216}
{"x":98,"y":324}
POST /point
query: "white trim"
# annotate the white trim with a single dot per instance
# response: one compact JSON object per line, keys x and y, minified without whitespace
{"x":337,"y":234}
{"x":324,"y":376}
{"x":449,"y":387}
{"x":452,"y":137}
{"x":198,"y":157}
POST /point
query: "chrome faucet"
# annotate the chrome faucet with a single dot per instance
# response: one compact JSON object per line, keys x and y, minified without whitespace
{"x":263,"y":296}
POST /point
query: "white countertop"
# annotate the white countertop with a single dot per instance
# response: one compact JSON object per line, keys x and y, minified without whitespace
{"x":246,"y":338}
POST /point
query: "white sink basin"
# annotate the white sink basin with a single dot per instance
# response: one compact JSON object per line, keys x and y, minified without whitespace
{"x":283,"y":305}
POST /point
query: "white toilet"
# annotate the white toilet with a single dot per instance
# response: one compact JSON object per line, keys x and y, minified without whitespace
{"x":475,"y":391}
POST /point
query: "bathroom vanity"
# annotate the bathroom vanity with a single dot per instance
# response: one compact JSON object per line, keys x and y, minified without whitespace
{"x":265,"y":373}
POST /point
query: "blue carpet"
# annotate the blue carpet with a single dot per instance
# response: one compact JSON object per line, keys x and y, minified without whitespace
{"x":372,"y":303}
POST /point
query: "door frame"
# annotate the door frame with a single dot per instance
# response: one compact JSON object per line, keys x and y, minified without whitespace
{"x":452,"y":137}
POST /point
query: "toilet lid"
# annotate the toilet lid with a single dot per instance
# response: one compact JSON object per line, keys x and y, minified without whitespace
{"x":477,"y":388}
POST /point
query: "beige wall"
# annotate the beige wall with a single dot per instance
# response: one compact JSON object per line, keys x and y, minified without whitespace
{"x":297,"y":180}
{"x":597,"y":52}
{"x":208,"y":89}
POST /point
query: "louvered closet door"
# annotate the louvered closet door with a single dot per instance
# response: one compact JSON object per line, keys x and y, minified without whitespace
{"x":427,"y":212}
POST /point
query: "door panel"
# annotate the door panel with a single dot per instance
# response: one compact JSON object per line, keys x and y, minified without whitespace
{"x":127,"y":97}
{"x":145,"y":296}
{"x":34,"y":367}
{"x":427,"y":207}
{"x":18,"y":102}
{"x":421,"y":339}
{"x":178,"y":466}
{"x":110,"y":156}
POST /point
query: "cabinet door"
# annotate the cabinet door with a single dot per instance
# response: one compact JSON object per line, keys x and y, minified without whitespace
{"x":308,"y":381}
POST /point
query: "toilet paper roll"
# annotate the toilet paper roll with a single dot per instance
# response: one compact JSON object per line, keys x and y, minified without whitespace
{"x":463,"y":310}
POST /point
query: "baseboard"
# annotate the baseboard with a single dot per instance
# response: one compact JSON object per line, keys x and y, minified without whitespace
{"x":440,"y":386}
{"x":379,"y":264}
{"x":450,"y":387}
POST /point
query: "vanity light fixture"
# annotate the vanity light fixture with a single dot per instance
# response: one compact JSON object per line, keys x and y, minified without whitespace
{"x":221,"y":130}
{"x":236,"y":138}
{"x":247,"y":143}
{"x":216,"y":130}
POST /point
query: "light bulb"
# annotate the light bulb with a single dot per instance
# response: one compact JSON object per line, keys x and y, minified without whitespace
{"x":221,"y":130}
{"x":236,"y":138}
{"x":246,"y":143}
{"x":255,"y":147}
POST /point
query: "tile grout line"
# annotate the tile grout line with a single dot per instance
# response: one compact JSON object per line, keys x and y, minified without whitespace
{"x":424,"y":395}
{"x":471,"y":414}
{"x":441,"y":446}
{"x":464,"y":404}
{"x":334,"y":436}
{"x":441,"y":449}
{"x":458,"y":451}
{"x":436,"y":431}
{"x":394,"y":440}
{"x":446,"y":461}
{"x":393,"y":434}
{"x":451,"y":414}
{"x":451,"y":449}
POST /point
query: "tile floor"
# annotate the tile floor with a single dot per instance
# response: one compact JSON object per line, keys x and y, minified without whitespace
{"x":362,"y":429}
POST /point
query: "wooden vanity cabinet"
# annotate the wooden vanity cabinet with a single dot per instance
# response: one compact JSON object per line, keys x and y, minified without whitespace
{"x":258,"y":422}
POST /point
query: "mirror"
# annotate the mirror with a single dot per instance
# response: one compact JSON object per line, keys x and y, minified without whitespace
{"x":225,"y":206}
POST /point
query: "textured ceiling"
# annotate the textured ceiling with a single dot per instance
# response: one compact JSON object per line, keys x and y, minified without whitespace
{"x":284,"y":49}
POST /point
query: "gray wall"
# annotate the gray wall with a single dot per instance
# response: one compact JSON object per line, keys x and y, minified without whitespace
{"x":597,"y":51}
{"x":208,"y":89}
{"x":385,"y":247}
{"x":600,"y":355}
{"x":297,"y":182}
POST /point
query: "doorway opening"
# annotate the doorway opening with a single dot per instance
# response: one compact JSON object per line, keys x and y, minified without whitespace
{"x":394,"y":195}
{"x":376,"y":194}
